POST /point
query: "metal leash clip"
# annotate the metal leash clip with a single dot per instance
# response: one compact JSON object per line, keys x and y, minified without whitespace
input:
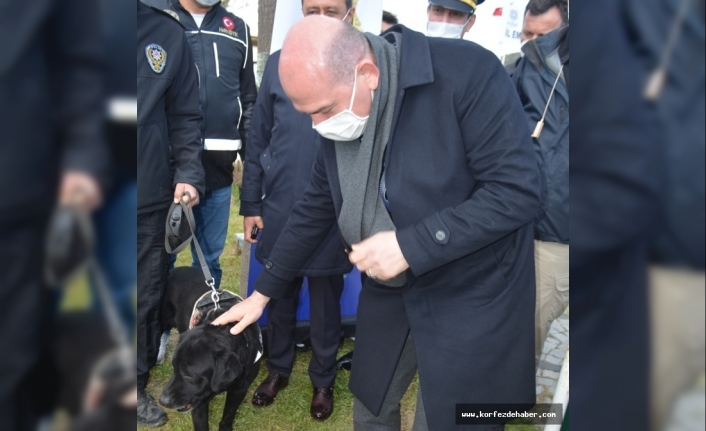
{"x":215,"y":295}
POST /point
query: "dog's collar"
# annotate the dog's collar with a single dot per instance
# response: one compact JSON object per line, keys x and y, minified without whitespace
{"x":205,"y":304}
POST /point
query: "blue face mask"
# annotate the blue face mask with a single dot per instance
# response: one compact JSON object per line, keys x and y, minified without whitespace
{"x":208,"y":3}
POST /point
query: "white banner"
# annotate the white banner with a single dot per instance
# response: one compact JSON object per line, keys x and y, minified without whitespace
{"x":514,"y":14}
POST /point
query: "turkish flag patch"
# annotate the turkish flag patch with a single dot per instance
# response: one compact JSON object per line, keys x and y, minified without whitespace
{"x":228,"y":23}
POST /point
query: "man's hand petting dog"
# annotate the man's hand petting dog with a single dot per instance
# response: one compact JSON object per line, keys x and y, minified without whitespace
{"x":245,"y":313}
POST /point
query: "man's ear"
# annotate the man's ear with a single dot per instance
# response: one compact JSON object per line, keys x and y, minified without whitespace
{"x":371,"y":73}
{"x":469,"y":25}
{"x":226,"y":368}
{"x":351,"y":15}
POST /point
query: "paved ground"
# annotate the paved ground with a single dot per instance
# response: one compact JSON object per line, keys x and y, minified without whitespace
{"x":552,"y":358}
{"x":688,"y":415}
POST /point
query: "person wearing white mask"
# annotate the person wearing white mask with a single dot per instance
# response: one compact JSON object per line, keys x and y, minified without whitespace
{"x":277,"y":168}
{"x":434,"y":196}
{"x":451,"y":18}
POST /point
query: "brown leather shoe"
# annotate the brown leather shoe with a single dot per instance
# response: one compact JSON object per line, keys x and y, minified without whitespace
{"x":267,"y":391}
{"x":322,"y":404}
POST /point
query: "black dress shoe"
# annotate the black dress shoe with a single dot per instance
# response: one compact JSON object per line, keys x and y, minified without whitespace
{"x":149,"y":414}
{"x":322,"y":404}
{"x":345,"y":361}
{"x":267,"y":391}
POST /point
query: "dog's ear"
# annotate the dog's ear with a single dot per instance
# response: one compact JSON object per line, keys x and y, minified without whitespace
{"x":226,"y":368}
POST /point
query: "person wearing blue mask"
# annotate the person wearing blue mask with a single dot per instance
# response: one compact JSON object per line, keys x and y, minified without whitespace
{"x":451,"y":18}
{"x":541,"y":77}
{"x":167,"y":129}
{"x":223,"y":52}
{"x":541,"y":17}
{"x":222,"y":49}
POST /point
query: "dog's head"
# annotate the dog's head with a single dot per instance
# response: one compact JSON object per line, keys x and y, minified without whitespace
{"x":205,"y":363}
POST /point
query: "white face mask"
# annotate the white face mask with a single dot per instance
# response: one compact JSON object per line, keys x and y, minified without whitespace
{"x":344,"y":126}
{"x":444,"y":29}
{"x":208,"y":3}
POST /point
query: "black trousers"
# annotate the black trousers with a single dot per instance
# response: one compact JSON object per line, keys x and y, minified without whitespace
{"x":324,"y":328}
{"x":25,"y":313}
{"x":152,"y":269}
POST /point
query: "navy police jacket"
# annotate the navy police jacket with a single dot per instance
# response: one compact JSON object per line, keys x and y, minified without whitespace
{"x":462,"y":185}
{"x":51,"y":102}
{"x":168,"y":113}
{"x":681,"y":108}
{"x":222,"y":50}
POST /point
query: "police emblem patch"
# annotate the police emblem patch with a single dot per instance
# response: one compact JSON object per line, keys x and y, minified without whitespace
{"x":172,"y":13}
{"x":156,"y":56}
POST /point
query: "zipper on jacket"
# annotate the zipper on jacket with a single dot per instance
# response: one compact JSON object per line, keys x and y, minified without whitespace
{"x":240,"y":110}
{"x":215,"y":56}
{"x":204,"y":106}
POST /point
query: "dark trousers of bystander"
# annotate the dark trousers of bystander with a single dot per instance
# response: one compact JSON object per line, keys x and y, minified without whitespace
{"x":24,"y":318}
{"x":152,"y":269}
{"x":324,"y":327}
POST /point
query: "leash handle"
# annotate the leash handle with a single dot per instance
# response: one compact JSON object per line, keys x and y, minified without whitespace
{"x":189,"y":214}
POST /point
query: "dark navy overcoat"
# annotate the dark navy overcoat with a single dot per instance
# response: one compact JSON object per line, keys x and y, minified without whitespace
{"x":462,"y":183}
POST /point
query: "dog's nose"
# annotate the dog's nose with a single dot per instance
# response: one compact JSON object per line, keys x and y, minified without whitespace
{"x":165,"y":400}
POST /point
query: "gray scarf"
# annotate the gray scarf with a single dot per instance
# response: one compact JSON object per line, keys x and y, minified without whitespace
{"x":359,"y":165}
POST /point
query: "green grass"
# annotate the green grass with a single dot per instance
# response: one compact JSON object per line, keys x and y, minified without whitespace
{"x":290,"y":412}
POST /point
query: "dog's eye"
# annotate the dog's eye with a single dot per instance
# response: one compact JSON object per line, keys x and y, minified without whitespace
{"x":186,"y":373}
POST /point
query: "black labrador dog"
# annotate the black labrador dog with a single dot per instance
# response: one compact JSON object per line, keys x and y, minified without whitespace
{"x":208,"y":360}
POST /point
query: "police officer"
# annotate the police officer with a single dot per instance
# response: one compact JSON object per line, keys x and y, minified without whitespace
{"x":168,"y":120}
{"x":451,"y":18}
{"x":222,"y":49}
{"x":50,"y":117}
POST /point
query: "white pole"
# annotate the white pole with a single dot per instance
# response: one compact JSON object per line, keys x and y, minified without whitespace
{"x":561,"y":393}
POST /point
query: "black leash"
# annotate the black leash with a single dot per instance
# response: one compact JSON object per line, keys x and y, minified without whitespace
{"x":117,"y":329}
{"x":177,"y":213}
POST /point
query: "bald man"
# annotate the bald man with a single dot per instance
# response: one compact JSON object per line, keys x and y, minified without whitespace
{"x":426,"y":164}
